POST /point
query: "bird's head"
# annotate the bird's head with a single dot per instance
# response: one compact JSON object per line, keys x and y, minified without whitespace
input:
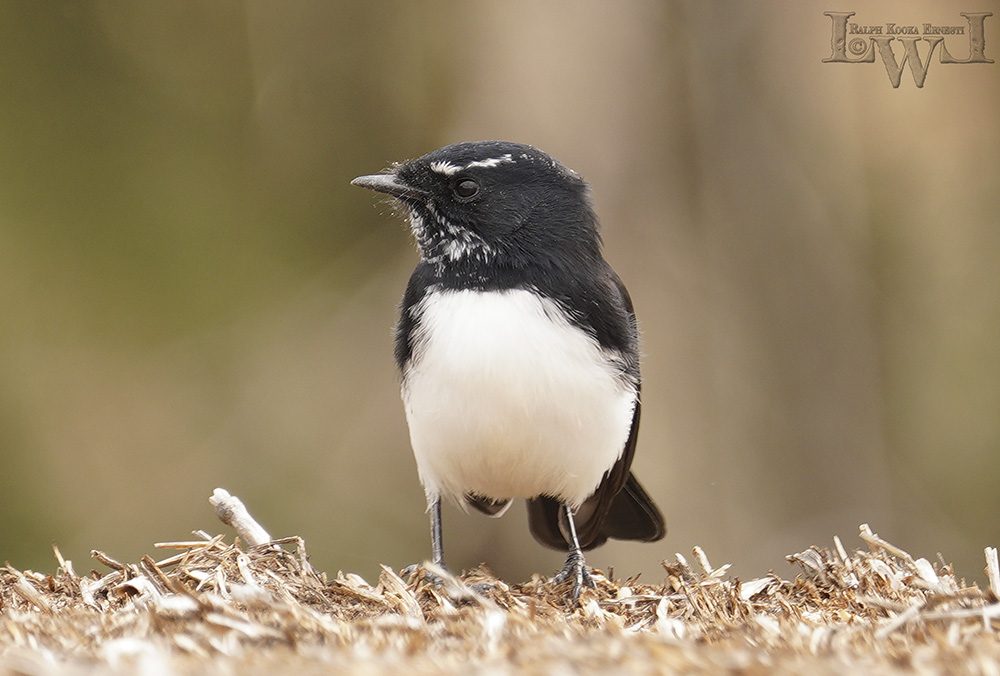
{"x":491,"y":202}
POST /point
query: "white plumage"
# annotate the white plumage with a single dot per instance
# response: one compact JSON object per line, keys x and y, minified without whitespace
{"x":506,"y":398}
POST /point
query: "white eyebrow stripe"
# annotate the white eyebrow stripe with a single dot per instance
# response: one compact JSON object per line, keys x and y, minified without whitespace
{"x":491,"y":162}
{"x":446,"y":168}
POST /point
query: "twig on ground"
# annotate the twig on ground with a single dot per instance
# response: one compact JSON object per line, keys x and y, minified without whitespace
{"x":993,"y":571}
{"x":232,"y":512}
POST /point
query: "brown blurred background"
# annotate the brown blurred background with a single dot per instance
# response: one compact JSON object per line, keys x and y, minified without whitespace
{"x":193,"y":296}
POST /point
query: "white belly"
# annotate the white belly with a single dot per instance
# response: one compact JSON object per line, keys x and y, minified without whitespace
{"x":506,"y":399}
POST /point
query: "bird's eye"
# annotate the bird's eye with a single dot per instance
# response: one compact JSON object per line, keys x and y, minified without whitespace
{"x":466,"y":188}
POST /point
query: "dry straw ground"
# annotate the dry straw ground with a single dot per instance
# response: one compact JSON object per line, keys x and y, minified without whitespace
{"x":222,"y":607}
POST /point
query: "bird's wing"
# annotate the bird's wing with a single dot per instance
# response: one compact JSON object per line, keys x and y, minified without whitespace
{"x":619,"y":508}
{"x":416,"y":288}
{"x":488,"y":506}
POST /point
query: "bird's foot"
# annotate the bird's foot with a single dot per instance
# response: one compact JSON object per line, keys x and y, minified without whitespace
{"x":441,"y":578}
{"x":575,"y":570}
{"x":411,"y":571}
{"x":445,"y":582}
{"x":483,"y":588}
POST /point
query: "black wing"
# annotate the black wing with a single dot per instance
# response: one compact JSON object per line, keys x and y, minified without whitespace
{"x":416,"y":288}
{"x":620,"y":508}
{"x":487,"y":506}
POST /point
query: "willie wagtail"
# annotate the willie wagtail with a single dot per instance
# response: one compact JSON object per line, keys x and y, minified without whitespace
{"x":518,"y":349}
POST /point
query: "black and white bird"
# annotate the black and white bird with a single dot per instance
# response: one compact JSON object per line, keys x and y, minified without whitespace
{"x":518,"y":349}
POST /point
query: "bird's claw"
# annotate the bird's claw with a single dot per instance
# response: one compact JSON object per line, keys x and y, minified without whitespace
{"x":411,"y":571}
{"x":450,"y":585}
{"x":576,"y":571}
{"x":482,"y":588}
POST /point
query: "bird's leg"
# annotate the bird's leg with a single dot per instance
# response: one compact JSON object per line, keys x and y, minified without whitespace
{"x":437,"y":549}
{"x":437,"y":553}
{"x":575,"y":568}
{"x":437,"y":545}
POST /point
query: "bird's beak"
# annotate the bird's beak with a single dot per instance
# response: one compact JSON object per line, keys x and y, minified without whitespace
{"x":389,"y":184}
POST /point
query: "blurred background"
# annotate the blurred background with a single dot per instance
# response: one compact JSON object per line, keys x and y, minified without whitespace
{"x":192,"y":296}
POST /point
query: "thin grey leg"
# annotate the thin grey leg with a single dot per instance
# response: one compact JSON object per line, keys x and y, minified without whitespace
{"x":437,"y":544}
{"x":575,"y":568}
{"x":574,"y":545}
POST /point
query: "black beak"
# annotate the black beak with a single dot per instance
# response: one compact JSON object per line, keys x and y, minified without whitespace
{"x":389,"y":184}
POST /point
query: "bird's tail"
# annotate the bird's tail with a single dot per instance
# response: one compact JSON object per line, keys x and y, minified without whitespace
{"x":629,"y":515}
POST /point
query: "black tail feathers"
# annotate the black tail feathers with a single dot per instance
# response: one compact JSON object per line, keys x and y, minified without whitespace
{"x":629,"y":515}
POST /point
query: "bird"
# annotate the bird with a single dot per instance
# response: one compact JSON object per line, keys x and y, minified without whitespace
{"x":518,"y":350}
